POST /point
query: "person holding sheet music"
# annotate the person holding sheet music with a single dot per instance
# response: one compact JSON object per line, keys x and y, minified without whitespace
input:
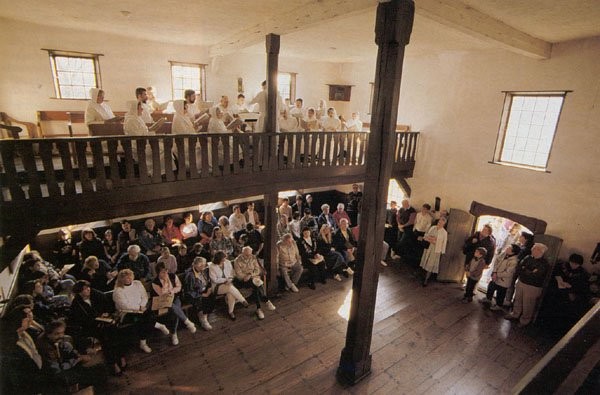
{"x":166,"y":283}
{"x":354,"y":124}
{"x":182,"y":124}
{"x":131,"y":302}
{"x":298,"y":111}
{"x":288,"y":123}
{"x":221,"y":276}
{"x":226,"y":109}
{"x":331,"y":122}
{"x":240,"y":106}
{"x":311,"y":122}
{"x":141,"y":95}
{"x":152,"y":103}
{"x":97,"y":110}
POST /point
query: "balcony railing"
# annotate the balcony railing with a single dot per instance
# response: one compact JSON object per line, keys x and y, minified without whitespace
{"x":50,"y":168}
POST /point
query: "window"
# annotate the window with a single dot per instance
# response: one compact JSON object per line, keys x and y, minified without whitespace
{"x":188,"y":76}
{"x":395,"y":193}
{"x":74,"y":73}
{"x":286,"y":83}
{"x":527,"y":128}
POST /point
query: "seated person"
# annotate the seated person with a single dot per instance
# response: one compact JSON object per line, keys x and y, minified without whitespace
{"x":197,"y":290}
{"x":237,"y":220}
{"x":171,"y":235}
{"x":334,"y":261}
{"x":166,"y":283}
{"x":46,"y":306}
{"x":282,"y":226}
{"x":354,"y":124}
{"x":310,"y":222}
{"x":89,"y":304}
{"x":189,"y":230}
{"x":240,"y":106}
{"x":182,"y":123}
{"x":298,"y":110}
{"x":311,"y":259}
{"x":288,"y":123}
{"x":184,"y":260}
{"x":90,"y":245}
{"x":568,"y":295}
{"x":252,"y":238}
{"x":169,"y":260}
{"x":200,"y":250}
{"x":127,"y":236}
{"x":64,"y":249}
{"x":326,"y":218}
{"x":345,"y":244}
{"x":249,"y":274}
{"x":137,"y":262}
{"x":341,"y":213}
{"x":219,"y":242}
{"x":98,"y":111}
{"x":221,"y":277}
{"x":289,"y":261}
{"x":294,"y":226}
{"x":134,"y":124}
{"x":251,"y":215}
{"x":205,"y":227}
{"x":63,"y":365}
{"x":150,"y":240}
{"x":131,"y":303}
{"x":299,"y":205}
{"x":22,"y":362}
{"x":98,"y":273}
{"x":111,"y":247}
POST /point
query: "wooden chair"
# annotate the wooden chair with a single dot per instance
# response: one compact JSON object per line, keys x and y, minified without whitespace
{"x":8,"y":124}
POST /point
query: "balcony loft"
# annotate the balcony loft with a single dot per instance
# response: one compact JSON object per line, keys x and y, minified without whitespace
{"x":48,"y":183}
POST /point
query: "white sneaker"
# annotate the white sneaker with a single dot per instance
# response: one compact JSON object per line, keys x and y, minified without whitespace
{"x":144,"y":347}
{"x":349,"y":271}
{"x":162,"y":328}
{"x":174,"y":339}
{"x":394,"y":256}
{"x":190,"y":325}
{"x":260,"y":314}
{"x":293,"y":288}
{"x":337,"y":277}
{"x":384,"y":263}
{"x":270,"y":306}
{"x":206,"y":325}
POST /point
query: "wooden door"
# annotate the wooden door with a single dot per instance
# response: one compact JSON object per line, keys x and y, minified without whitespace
{"x":460,"y":226}
{"x":553,"y":243}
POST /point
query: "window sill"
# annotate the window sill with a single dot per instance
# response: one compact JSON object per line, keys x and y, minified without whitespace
{"x":525,"y":167}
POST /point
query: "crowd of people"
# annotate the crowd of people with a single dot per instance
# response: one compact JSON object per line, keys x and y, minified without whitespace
{"x":519,"y":271}
{"x":117,"y":290}
{"x":189,"y":117}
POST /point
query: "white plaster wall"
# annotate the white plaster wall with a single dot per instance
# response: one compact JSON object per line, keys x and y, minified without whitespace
{"x":26,"y":83}
{"x":455,"y":100}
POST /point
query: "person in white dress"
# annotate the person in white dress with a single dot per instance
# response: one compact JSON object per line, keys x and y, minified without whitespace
{"x":331,"y":122}
{"x":98,"y":111}
{"x":261,"y":101}
{"x":298,"y":110}
{"x":182,"y":124}
{"x":134,"y":124}
{"x":322,"y":109}
{"x":437,"y":238}
{"x":288,"y":123}
{"x":354,"y":124}
{"x":311,"y":122}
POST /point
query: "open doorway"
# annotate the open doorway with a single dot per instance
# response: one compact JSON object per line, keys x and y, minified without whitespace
{"x":506,"y":232}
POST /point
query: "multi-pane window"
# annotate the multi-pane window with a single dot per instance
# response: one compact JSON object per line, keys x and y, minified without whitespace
{"x":74,"y":74}
{"x":188,"y":76}
{"x":527,"y":129}
{"x":284,"y":83}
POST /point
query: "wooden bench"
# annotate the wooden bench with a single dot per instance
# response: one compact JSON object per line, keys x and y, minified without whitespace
{"x":13,"y":131}
{"x":71,"y":118}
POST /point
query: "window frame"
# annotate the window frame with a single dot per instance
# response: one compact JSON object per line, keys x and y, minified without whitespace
{"x":54,"y":53}
{"x":201,"y":67}
{"x":292,"y":86}
{"x":503,"y":128}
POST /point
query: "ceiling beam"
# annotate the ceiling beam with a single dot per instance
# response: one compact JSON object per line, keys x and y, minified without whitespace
{"x":459,"y":16}
{"x":307,"y":14}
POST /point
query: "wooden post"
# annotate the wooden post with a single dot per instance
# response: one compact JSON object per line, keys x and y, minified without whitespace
{"x":272,"y":44}
{"x":392,"y":33}
{"x":270,"y":235}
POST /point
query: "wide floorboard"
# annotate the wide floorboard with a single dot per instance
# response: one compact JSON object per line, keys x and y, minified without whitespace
{"x":424,"y":341}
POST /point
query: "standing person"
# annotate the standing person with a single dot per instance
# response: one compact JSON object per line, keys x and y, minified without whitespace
{"x":437,"y":237}
{"x":261,"y":101}
{"x":251,"y":215}
{"x":111,"y":247}
{"x":198,"y":290}
{"x":354,"y":204}
{"x":311,"y":205}
{"x":391,"y":224}
{"x":532,"y":272}
{"x":406,"y":219}
{"x":483,"y":238}
{"x":127,"y":236}
{"x":475,"y":270}
{"x":64,"y":249}
{"x":299,"y":206}
{"x":345,"y":244}
{"x":502,"y":276}
{"x":285,"y":208}
{"x":249,"y":274}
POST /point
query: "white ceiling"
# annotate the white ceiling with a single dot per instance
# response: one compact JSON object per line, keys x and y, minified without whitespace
{"x":344,"y":39}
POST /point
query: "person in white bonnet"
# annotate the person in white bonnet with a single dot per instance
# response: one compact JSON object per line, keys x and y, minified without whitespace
{"x":98,"y":111}
{"x":182,"y":124}
{"x":331,"y":122}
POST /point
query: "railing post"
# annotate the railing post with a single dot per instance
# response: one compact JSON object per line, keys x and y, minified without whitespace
{"x":272,"y":44}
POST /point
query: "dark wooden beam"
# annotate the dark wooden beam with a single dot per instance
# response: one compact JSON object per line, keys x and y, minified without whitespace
{"x":270,"y":239}
{"x":272,"y":44}
{"x":392,"y":33}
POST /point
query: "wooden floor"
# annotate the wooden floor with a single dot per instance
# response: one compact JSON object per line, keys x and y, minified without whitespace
{"x":424,"y":341}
